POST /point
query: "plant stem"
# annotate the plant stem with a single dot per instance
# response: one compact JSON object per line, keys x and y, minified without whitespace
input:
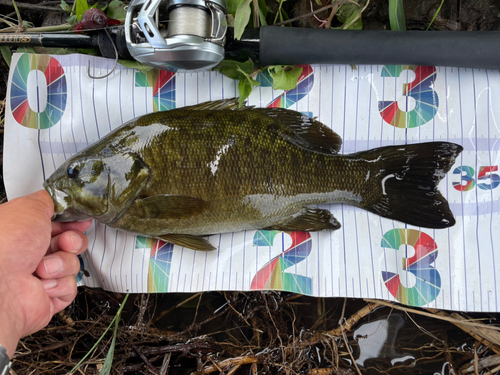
{"x":435,"y":15}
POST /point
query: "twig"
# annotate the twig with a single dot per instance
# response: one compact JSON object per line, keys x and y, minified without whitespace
{"x":354,"y":319}
{"x":56,"y":345}
{"x":32,"y":6}
{"x":433,"y":315}
{"x":228,"y":362}
{"x":20,"y":27}
{"x":164,"y":365}
{"x":315,"y":12}
{"x":145,"y":360}
{"x":175,"y":307}
{"x":345,"y":338}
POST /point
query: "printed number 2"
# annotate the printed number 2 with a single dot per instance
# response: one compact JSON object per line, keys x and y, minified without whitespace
{"x":467,"y":181}
{"x":421,"y":89}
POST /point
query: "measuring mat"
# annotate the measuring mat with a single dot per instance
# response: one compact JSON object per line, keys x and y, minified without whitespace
{"x":54,"y":109}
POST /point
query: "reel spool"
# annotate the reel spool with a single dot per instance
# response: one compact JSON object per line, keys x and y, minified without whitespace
{"x":193,"y":40}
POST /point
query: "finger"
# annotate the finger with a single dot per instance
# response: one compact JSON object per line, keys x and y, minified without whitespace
{"x":61,"y":291}
{"x":71,"y":241}
{"x":60,"y":264}
{"x":42,"y":200}
{"x":82,"y":226}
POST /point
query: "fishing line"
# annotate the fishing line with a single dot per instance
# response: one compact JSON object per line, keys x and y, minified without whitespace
{"x":188,"y":20}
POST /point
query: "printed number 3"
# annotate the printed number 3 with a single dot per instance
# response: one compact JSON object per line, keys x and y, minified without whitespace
{"x":421,"y":89}
{"x":467,"y":181}
{"x":428,"y":280}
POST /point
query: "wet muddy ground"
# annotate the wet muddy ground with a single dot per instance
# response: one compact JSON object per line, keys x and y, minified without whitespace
{"x":271,"y":332}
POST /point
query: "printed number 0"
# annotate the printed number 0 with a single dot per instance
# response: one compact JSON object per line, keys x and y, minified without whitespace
{"x":428,"y":280}
{"x":421,"y":89}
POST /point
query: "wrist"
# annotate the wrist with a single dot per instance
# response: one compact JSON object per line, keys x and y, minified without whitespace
{"x":10,"y":331}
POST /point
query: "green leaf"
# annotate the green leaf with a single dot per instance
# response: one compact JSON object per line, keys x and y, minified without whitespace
{"x":347,"y":13}
{"x":108,"y":362}
{"x":245,"y":87}
{"x":116,"y":10}
{"x":135,"y":65}
{"x":241,"y":18}
{"x":65,"y":6}
{"x":115,"y":322}
{"x":81,"y":7}
{"x":397,"y":15}
{"x":233,"y":69}
{"x":25,"y":50}
{"x":263,"y":10}
{"x":232,"y":6}
{"x":6,"y":54}
{"x":72,"y":20}
{"x":284,"y":77}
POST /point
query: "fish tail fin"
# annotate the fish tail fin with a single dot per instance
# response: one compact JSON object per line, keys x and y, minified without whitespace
{"x":405,"y":188}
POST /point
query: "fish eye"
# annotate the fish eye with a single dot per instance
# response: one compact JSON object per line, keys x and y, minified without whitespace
{"x":73,"y":171}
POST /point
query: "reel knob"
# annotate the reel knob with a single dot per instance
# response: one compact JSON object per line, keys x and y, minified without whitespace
{"x":193,"y":39}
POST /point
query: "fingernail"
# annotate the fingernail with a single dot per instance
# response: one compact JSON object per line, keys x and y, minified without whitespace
{"x":76,"y":242}
{"x":49,"y":284}
{"x":53,"y":264}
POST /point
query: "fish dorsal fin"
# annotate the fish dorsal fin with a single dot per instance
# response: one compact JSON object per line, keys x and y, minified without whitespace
{"x":168,"y":207}
{"x":218,"y":105}
{"x":303,"y":131}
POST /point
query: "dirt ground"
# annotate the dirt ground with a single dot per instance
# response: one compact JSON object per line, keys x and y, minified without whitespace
{"x":268,"y":332}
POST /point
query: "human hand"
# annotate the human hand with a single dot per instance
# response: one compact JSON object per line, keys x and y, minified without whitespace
{"x":38,"y":265}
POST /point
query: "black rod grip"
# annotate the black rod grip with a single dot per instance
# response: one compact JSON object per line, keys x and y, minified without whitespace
{"x":291,"y":46}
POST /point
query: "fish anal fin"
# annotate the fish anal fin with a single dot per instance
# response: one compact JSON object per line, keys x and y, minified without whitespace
{"x":311,"y":219}
{"x":167,"y":207}
{"x":189,"y":241}
{"x":303,"y":131}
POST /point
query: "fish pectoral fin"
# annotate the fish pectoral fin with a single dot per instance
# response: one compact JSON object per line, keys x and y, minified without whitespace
{"x":311,"y":219}
{"x":188,"y":240}
{"x":303,"y":131}
{"x":167,"y":207}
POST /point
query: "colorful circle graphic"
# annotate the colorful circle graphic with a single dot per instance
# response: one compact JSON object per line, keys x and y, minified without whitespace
{"x":56,"y":92}
{"x":420,"y":89}
{"x":163,"y":83}
{"x":428,"y":280}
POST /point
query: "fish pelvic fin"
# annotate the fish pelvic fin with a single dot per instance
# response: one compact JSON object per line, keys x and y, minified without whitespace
{"x":310,"y":219}
{"x":405,"y":187}
{"x":188,"y":240}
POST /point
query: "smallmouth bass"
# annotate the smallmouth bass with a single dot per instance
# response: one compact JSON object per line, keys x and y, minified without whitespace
{"x":214,"y":168}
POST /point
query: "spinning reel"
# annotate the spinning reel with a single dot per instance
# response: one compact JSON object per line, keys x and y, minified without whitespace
{"x":193,"y":38}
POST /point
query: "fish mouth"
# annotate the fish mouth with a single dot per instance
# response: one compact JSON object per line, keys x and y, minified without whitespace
{"x":58,"y":197}
{"x":63,"y":212}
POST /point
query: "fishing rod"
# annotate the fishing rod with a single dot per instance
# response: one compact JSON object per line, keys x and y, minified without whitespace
{"x":195,"y":36}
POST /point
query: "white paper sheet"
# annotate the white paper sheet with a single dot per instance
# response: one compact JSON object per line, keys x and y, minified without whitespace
{"x":453,"y":268}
